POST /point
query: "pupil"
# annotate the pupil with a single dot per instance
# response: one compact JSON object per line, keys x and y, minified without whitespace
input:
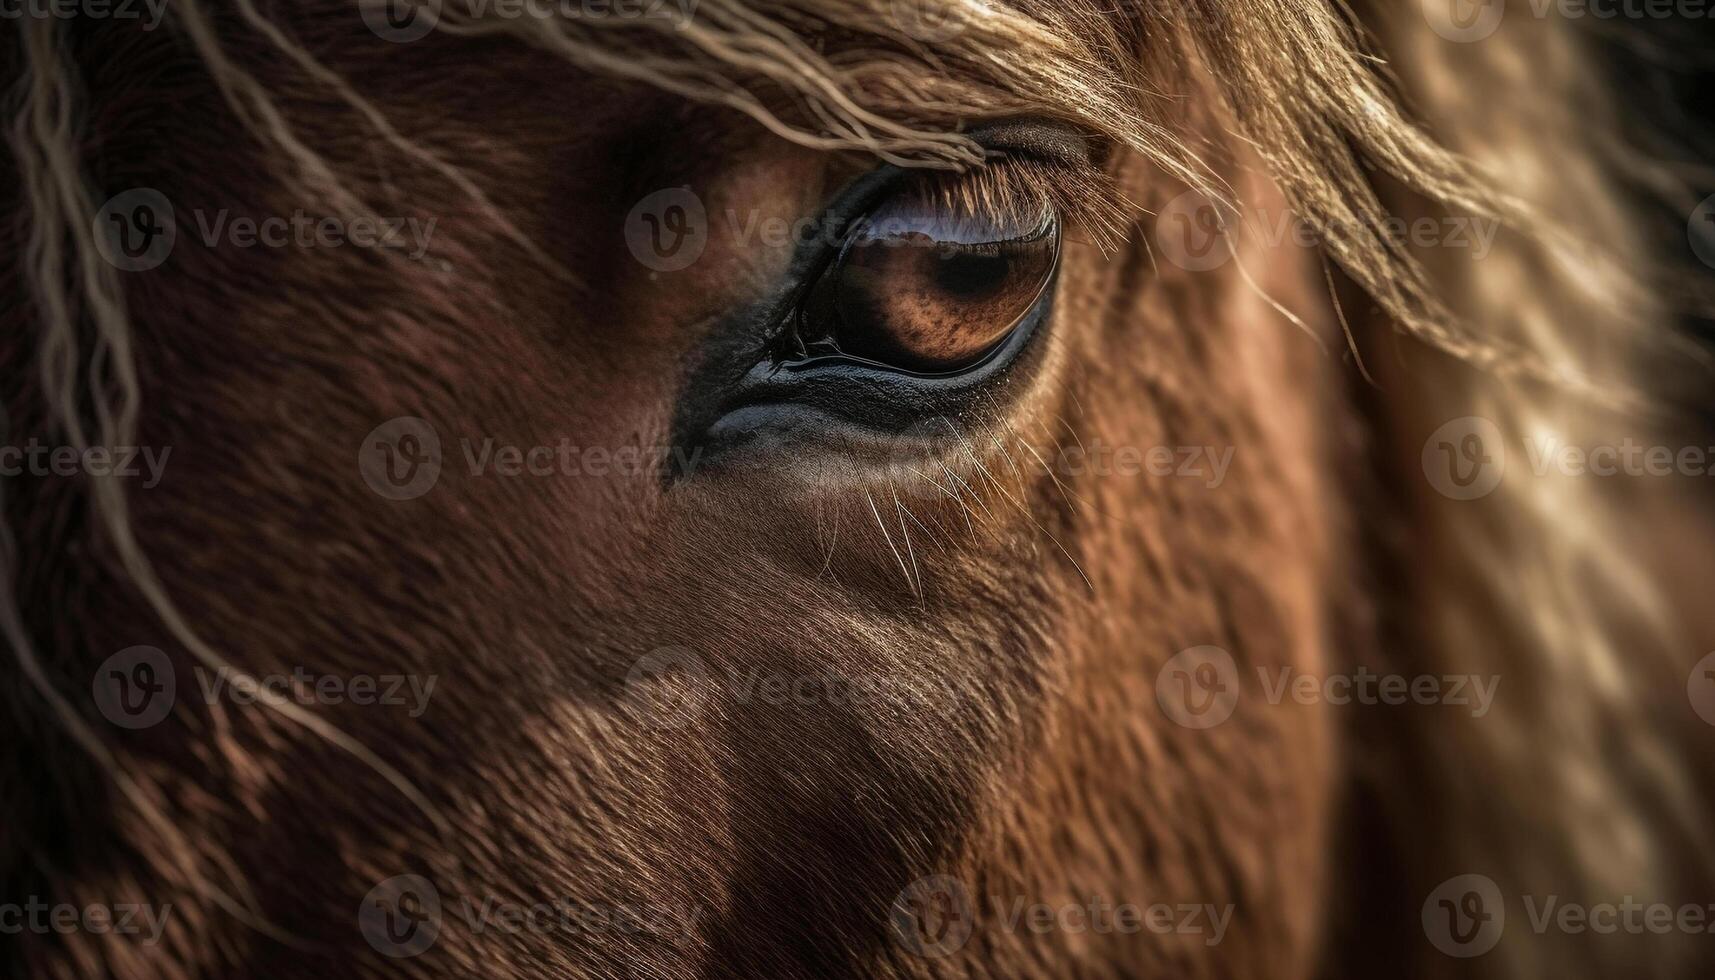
{"x":968,"y":275}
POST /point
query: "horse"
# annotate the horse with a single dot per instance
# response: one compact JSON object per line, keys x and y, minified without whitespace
{"x":899,"y":488}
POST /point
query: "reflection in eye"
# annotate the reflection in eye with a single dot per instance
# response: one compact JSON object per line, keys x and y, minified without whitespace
{"x":931,"y":288}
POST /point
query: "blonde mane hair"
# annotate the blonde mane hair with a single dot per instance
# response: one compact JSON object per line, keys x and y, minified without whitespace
{"x":1358,"y":112}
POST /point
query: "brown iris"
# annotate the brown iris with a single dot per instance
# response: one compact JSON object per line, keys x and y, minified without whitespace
{"x":929,"y":290}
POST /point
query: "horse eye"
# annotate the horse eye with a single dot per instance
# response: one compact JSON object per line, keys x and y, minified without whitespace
{"x":921,"y":288}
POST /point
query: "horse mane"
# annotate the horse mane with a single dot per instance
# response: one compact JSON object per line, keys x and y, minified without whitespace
{"x":1544,"y":583}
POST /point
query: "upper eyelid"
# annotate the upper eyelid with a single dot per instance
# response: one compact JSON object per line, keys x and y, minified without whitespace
{"x":1034,"y":138}
{"x":1019,"y":185}
{"x":1030,"y":162}
{"x":1035,"y":171}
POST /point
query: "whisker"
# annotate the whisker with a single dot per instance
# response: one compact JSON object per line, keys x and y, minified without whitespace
{"x":984,"y":470}
{"x":1071,"y":432}
{"x":974,"y":495}
{"x":873,"y":509}
{"x":1025,"y":510}
{"x":906,"y":533}
{"x":828,"y":560}
{"x":964,"y":507}
{"x":1065,"y":494}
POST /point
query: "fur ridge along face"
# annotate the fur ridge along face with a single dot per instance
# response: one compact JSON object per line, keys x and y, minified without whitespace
{"x":495,"y":635}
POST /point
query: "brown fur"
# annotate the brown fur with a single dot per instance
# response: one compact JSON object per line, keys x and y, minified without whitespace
{"x":1046,"y":600}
